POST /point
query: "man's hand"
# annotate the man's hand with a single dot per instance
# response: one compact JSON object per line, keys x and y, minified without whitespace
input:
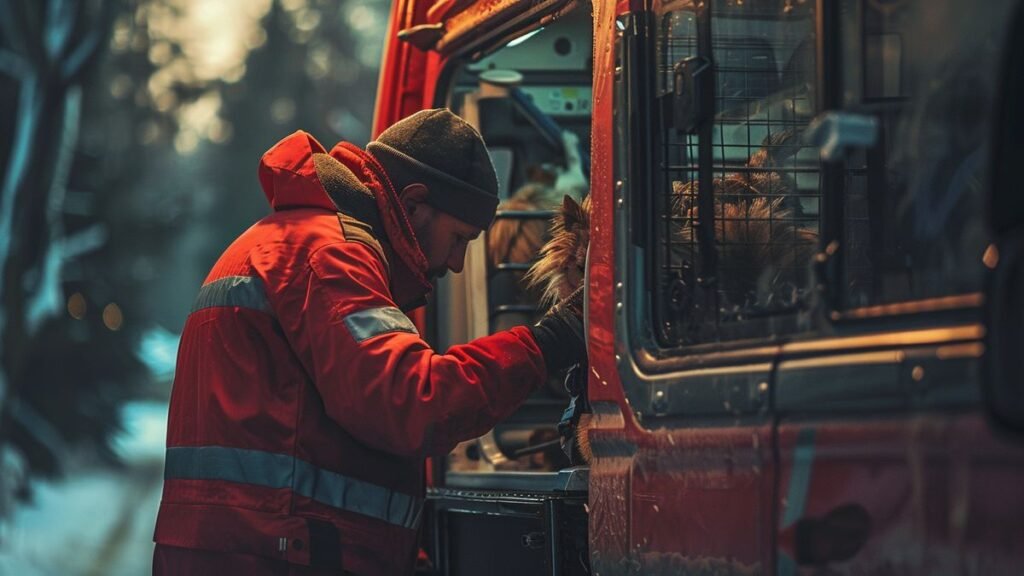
{"x":559,"y":334}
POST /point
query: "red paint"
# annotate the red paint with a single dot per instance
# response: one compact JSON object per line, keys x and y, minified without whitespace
{"x":940,"y":490}
{"x":610,"y":478}
{"x":604,"y":376}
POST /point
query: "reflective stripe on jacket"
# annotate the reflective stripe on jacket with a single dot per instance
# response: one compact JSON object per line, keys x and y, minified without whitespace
{"x":304,"y":399}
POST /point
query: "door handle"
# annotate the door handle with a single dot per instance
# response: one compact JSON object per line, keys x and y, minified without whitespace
{"x":834,"y":537}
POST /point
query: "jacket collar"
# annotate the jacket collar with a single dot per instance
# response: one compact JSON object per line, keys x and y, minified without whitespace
{"x":409,"y":283}
{"x":289,"y":178}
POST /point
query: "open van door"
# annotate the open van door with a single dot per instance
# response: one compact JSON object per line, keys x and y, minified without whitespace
{"x":520,"y":72}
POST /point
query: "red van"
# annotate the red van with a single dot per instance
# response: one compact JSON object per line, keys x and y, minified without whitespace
{"x":804,"y":311}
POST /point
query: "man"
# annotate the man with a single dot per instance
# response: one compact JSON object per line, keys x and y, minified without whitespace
{"x":304,"y":400}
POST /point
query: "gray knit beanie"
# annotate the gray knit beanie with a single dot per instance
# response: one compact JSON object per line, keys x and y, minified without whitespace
{"x":444,"y":152}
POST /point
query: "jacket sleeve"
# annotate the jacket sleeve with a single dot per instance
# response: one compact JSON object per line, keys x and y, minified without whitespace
{"x":383,"y":383}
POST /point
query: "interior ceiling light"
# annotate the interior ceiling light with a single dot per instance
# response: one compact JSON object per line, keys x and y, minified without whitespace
{"x":523,"y":38}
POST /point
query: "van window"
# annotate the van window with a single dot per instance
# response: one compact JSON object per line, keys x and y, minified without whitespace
{"x":913,"y":202}
{"x":762,"y":181}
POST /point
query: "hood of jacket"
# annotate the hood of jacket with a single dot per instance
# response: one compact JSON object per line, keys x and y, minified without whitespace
{"x":289,"y":178}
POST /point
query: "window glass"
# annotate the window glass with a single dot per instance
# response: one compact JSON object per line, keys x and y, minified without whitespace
{"x":764,"y":182}
{"x":913,"y":202}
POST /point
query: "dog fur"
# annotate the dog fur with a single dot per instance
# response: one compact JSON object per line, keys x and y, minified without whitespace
{"x":559,"y":271}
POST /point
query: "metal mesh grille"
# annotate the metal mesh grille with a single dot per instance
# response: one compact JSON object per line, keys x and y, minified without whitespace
{"x":765,"y":184}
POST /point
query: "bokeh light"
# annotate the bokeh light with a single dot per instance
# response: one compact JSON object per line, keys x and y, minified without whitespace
{"x":77,"y":306}
{"x":113,"y":319}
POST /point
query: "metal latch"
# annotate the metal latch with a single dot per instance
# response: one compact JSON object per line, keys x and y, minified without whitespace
{"x":691,"y":79}
{"x":424,"y":36}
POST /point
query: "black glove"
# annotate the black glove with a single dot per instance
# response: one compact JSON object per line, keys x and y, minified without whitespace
{"x":559,"y":334}
{"x":568,"y":428}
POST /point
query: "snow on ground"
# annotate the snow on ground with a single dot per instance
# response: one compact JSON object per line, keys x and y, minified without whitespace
{"x":96,"y":521}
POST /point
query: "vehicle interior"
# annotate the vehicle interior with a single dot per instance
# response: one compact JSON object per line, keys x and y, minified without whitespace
{"x":511,"y":502}
{"x":530,"y":98}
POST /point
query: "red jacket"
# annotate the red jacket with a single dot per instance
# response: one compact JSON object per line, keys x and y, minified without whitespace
{"x":304,"y":400}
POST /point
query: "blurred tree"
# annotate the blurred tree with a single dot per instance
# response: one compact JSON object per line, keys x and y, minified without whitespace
{"x":199,"y":91}
{"x":129,"y":136}
{"x":47,"y":50}
{"x":316,"y":71}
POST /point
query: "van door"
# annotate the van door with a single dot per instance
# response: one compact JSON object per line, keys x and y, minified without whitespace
{"x":886,"y":461}
{"x":715,"y":227}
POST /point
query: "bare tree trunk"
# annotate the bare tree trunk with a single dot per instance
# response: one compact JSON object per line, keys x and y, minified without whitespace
{"x":44,"y":48}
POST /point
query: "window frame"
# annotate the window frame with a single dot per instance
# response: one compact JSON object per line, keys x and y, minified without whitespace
{"x":700,"y":371}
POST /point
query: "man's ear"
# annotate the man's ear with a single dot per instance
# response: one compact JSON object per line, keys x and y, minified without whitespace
{"x":413,"y":197}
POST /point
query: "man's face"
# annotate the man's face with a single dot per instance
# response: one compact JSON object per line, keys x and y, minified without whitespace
{"x":442,"y":237}
{"x":443,"y":241}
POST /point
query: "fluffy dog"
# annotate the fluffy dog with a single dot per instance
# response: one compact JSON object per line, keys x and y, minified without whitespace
{"x":556,"y":275}
{"x":760,"y":230}
{"x":559,"y":271}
